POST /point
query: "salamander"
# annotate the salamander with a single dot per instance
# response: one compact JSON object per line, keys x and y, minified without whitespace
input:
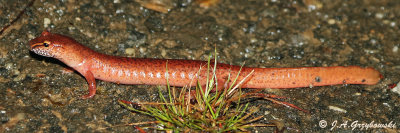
{"x":123,"y":70}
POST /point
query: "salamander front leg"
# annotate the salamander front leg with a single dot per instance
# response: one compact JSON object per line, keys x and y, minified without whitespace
{"x":91,"y":83}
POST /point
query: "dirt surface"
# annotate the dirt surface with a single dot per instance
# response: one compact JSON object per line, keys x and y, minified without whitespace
{"x":39,"y":94}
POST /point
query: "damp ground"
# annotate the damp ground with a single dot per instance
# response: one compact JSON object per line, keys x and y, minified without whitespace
{"x":40,"y":94}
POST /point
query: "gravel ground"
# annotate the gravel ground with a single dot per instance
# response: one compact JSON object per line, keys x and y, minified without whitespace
{"x":40,"y":95}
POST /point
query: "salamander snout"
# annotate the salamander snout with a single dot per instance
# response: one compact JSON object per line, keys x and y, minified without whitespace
{"x":42,"y":46}
{"x":43,"y":49}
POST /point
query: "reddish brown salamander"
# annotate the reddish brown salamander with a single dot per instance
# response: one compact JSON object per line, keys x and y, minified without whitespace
{"x":93,"y":65}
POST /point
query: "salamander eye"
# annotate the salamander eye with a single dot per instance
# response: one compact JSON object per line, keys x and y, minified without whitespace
{"x":46,"y":44}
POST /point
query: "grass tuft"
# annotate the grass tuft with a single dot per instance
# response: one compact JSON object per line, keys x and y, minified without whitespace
{"x":218,"y":111}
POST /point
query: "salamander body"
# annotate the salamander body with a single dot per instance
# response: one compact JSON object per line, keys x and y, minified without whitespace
{"x":93,"y":65}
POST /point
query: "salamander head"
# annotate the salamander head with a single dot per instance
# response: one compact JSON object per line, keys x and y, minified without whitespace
{"x":61,"y":47}
{"x":45,"y":45}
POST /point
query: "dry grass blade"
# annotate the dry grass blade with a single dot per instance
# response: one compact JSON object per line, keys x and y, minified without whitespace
{"x":240,"y":83}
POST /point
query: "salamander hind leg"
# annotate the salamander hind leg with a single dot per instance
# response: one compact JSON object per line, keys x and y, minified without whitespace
{"x":91,"y":83}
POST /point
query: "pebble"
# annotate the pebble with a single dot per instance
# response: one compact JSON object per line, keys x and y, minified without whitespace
{"x":386,"y":104}
{"x":395,"y":49}
{"x":331,"y":21}
{"x":379,"y":15}
{"x":9,"y":66}
{"x":393,"y":24}
{"x":170,"y":43}
{"x":337,"y":109}
{"x":163,"y":53}
{"x":267,"y":112}
{"x":357,"y":94}
{"x":130,"y":51}
{"x":253,"y":40}
{"x":46,"y":22}
{"x":77,"y":19}
{"x":313,"y":4}
{"x":142,"y":50}
{"x":19,"y":77}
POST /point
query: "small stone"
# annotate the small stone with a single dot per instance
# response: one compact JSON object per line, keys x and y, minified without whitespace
{"x":337,"y":109}
{"x":253,"y":40}
{"x":163,"y":52}
{"x":130,"y":51}
{"x":267,"y":112}
{"x":395,"y":49}
{"x":386,"y":104}
{"x":313,"y":4}
{"x":393,"y":24}
{"x":331,"y":21}
{"x":46,"y":22}
{"x":19,"y":77}
{"x":77,"y":19}
{"x":379,"y":15}
{"x":386,"y":22}
{"x":170,"y":43}
{"x":9,"y":66}
{"x":142,"y":50}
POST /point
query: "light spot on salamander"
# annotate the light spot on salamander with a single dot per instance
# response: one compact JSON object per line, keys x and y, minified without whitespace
{"x":173,"y":74}
{"x":151,"y":74}
{"x":190,"y":75}
{"x":158,"y":75}
{"x":318,"y":79}
{"x":166,"y":75}
{"x":127,"y":73}
{"x":104,"y":68}
{"x":143,"y":74}
{"x":310,"y":85}
{"x":182,"y":75}
{"x":120,"y":73}
{"x":135,"y":73}
{"x":112,"y":71}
